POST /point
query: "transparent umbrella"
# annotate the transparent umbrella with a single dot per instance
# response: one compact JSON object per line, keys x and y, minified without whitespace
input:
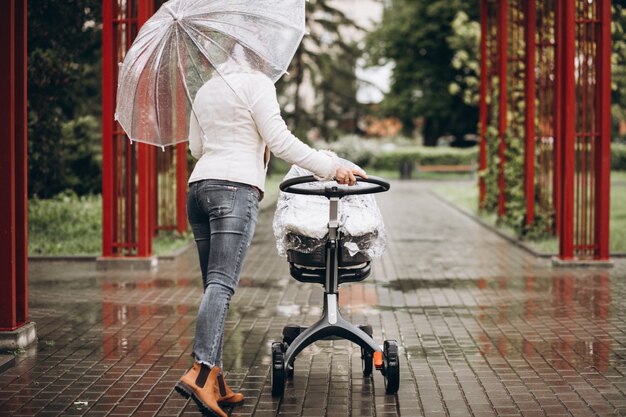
{"x":190,"y":42}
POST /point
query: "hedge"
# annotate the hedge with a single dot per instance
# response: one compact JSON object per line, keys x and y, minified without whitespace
{"x":391,"y":160}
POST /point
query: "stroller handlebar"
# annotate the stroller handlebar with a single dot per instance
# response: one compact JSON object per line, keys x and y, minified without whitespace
{"x":289,"y":186}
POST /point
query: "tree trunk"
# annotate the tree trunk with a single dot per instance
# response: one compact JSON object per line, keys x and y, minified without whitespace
{"x":429,"y":132}
{"x":298,"y":81}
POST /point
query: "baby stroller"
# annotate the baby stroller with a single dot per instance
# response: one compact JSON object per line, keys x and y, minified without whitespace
{"x":331,"y":265}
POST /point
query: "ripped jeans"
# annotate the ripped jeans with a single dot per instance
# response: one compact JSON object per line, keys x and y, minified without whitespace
{"x":223,"y":217}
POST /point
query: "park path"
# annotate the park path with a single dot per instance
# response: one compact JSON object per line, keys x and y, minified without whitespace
{"x":485,"y":329}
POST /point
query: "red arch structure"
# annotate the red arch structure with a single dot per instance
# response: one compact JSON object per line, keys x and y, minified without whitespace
{"x":560,"y":51}
{"x":552,"y":55}
{"x":143,"y":188}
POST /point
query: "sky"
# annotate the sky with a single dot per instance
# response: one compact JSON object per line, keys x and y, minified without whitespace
{"x":366,"y":13}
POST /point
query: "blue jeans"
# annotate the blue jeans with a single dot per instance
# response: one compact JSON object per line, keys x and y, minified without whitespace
{"x":223,"y":217}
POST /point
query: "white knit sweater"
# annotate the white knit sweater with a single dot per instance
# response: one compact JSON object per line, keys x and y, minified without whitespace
{"x":232,"y":130}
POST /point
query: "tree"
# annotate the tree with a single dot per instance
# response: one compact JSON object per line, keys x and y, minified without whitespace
{"x":325,"y":61}
{"x":64,"y":87}
{"x":618,"y":61}
{"x":418,"y":37}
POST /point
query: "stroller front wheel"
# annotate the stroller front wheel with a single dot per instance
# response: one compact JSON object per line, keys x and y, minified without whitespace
{"x":367,"y":362}
{"x":278,"y":369}
{"x":391,"y":366}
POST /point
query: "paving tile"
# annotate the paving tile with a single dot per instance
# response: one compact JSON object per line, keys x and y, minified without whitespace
{"x":484,"y":329}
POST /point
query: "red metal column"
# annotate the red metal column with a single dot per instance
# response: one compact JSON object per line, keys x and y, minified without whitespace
{"x":155,"y":209}
{"x":145,"y":154}
{"x":181,"y":187}
{"x":603,"y":144}
{"x":108,"y":94}
{"x":567,"y":128}
{"x":529,"y":87}
{"x":483,"y":103}
{"x":502,"y":100}
{"x":170,"y":183}
{"x":127,"y":179}
{"x":146,"y":186}
{"x":558,"y":114}
{"x":13,"y":168}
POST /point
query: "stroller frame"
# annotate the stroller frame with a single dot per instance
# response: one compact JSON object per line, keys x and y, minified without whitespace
{"x":332,"y":325}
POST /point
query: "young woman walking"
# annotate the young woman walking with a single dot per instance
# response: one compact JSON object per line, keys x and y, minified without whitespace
{"x":235,"y":122}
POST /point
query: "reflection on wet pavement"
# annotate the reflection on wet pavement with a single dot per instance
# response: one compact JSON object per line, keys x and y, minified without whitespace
{"x":485,"y":330}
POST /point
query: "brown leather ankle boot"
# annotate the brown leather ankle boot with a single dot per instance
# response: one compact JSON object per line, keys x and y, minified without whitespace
{"x":200,"y":382}
{"x":227,"y":396}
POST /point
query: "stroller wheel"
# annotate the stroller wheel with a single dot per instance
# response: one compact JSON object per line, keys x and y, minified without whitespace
{"x":391,"y":366}
{"x":367,"y":328}
{"x":278,"y":370}
{"x":289,"y":371}
{"x":290,"y":332}
{"x":367,"y":362}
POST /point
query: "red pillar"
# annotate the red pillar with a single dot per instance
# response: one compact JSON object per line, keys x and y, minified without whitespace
{"x":13,"y":167}
{"x":483,"y":103}
{"x":567,"y":128}
{"x":109,"y":219}
{"x":502,"y":100}
{"x":529,"y":87}
{"x":145,"y":191}
{"x":181,"y":187}
{"x":558,"y":115}
{"x":146,"y":161}
{"x":603,"y":145}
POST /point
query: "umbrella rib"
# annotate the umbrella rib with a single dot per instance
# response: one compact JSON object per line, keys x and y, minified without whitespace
{"x":157,"y":65}
{"x":209,"y":59}
{"x":237,"y":40}
{"x":132,"y":119}
{"x":196,"y":66}
{"x":157,"y":60}
{"x":147,"y":48}
{"x":182,"y":72}
{"x":241,"y":13}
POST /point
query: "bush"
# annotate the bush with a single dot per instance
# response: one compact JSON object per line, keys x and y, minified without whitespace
{"x":353,"y":148}
{"x":391,"y":160}
{"x":618,"y":157}
{"x":277,"y":166}
{"x":65,"y":225}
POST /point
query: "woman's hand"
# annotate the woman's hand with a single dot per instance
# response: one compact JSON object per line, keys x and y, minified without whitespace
{"x":345,"y":175}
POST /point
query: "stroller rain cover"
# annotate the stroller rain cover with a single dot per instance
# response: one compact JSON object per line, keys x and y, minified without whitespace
{"x":301,"y":221}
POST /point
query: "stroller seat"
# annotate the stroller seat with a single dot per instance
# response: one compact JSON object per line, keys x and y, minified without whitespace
{"x":310,"y":267}
{"x":331,"y":260}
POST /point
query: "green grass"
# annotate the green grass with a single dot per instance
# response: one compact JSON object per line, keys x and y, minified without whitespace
{"x":465,"y":195}
{"x":65,"y":225}
{"x":169,"y":241}
{"x":271,"y":191}
{"x":618,"y":176}
{"x":70,"y":225}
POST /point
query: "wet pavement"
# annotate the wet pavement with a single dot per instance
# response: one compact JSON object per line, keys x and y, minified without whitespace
{"x":485,"y":329}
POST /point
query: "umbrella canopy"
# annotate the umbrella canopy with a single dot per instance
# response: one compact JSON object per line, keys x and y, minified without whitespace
{"x":190,"y":42}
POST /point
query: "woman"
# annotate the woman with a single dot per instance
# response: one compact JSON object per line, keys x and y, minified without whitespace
{"x":236,"y":119}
